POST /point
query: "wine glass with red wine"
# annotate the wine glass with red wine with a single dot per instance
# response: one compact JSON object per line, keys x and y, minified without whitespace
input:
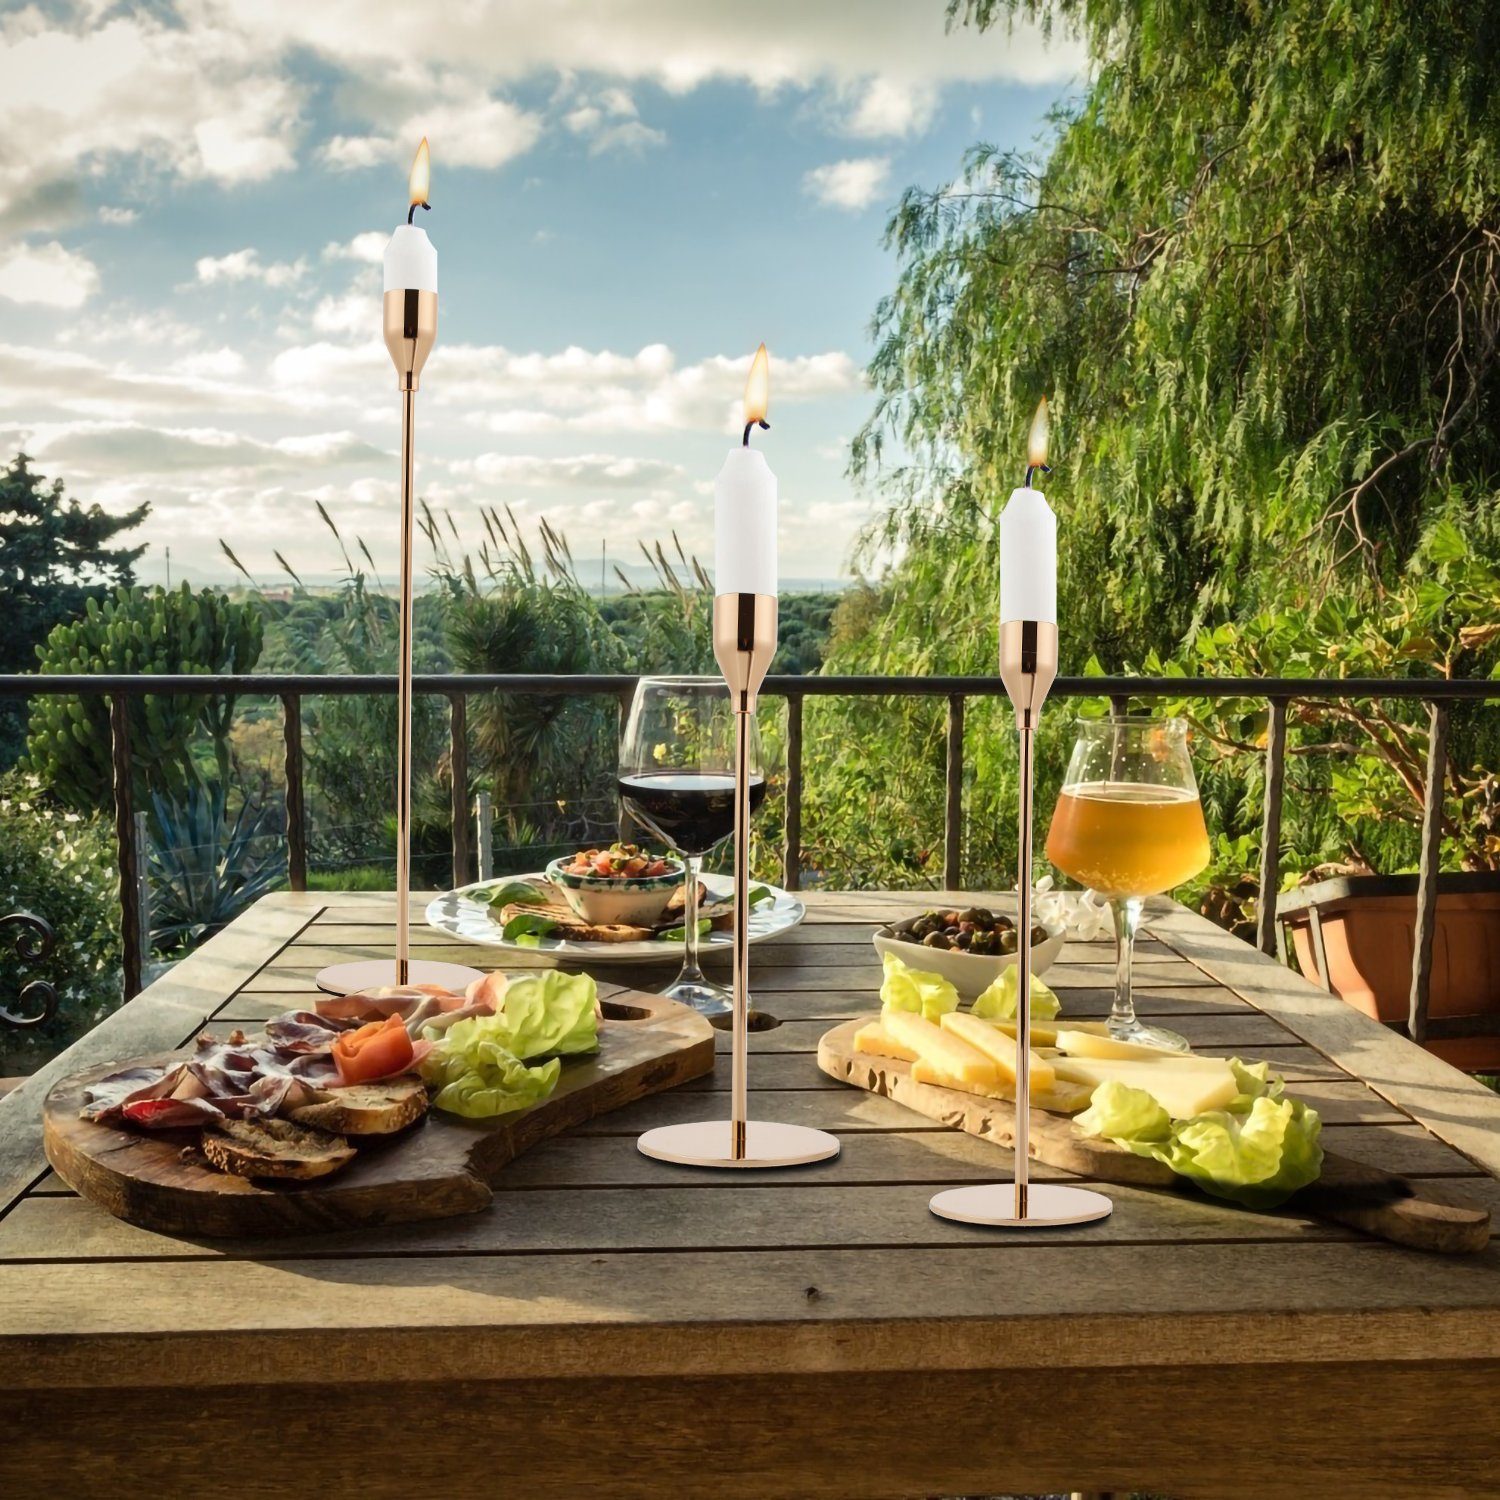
{"x":677,"y":781}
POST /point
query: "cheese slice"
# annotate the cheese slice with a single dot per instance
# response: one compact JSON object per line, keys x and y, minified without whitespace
{"x":1062,"y":1099}
{"x":1078,"y":1043}
{"x":1044,"y":1033}
{"x":1183,"y":1086}
{"x":875,"y":1040}
{"x":1000,"y":1048}
{"x":950,"y":1055}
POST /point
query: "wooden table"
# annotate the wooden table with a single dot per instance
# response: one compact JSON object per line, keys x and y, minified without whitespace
{"x":616,"y":1327}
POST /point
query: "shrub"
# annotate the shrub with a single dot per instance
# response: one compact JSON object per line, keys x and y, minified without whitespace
{"x":60,"y":866}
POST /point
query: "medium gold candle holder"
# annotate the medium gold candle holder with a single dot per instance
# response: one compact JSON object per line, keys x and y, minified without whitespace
{"x":744,"y":643}
{"x":1028,"y":668}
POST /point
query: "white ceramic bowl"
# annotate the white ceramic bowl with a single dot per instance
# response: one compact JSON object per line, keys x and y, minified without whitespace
{"x":611,"y":900}
{"x":969,"y":973}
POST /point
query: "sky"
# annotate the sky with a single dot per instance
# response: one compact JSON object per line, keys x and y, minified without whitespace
{"x":628,"y":196}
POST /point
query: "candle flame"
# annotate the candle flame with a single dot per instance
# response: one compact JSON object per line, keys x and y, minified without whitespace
{"x":1036,"y":439}
{"x":420,"y":180}
{"x":758,"y":387}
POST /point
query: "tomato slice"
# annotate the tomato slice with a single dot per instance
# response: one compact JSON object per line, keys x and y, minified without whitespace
{"x":380,"y":1049}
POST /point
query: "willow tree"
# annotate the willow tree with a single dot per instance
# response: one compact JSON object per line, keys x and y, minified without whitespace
{"x":1256,"y":269}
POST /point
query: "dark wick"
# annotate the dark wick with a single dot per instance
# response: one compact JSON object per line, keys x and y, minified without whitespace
{"x":1032,"y":468}
{"x":745,"y":443}
{"x":412,"y":211}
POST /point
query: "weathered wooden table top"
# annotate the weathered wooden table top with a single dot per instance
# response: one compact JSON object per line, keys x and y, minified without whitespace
{"x":818,"y":1330}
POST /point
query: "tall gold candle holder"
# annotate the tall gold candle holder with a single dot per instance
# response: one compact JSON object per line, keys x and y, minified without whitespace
{"x":744,"y":643}
{"x":410,"y":323}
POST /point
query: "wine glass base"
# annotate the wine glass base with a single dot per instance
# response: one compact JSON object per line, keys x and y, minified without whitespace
{"x":710,"y":1143}
{"x":705,"y":998}
{"x":1049,"y":1205}
{"x":1148,"y":1036}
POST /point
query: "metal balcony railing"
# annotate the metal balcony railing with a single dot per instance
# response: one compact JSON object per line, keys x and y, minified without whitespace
{"x":1275,"y":692}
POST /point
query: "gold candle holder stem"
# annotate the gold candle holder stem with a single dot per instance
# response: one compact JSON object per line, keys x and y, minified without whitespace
{"x":740,"y":1038}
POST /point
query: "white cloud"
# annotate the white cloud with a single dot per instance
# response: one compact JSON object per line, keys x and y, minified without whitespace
{"x":579,"y":471}
{"x":470,"y":128}
{"x":49,"y":274}
{"x":198,"y":101}
{"x":111,"y":214}
{"x":246,"y":265}
{"x":221,"y":364}
{"x":611,"y":122}
{"x":851,"y":184}
{"x":367,"y":248}
{"x":885,"y":107}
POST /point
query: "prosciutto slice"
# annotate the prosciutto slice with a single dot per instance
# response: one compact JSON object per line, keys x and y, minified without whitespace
{"x":233,"y":1080}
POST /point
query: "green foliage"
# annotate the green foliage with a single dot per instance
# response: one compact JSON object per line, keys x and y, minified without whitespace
{"x":54,"y":555}
{"x":140,"y":631}
{"x":1256,"y":271}
{"x":59,"y":865}
{"x":209,"y":864}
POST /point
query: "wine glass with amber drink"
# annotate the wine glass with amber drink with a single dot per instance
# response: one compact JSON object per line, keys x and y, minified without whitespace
{"x":1128,"y":824}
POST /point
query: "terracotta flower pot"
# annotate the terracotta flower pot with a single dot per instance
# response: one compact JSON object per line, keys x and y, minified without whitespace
{"x":1357,"y":936}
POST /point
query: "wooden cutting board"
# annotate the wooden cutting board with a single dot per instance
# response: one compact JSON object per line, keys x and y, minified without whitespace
{"x":441,"y":1167}
{"x":1348,"y":1192}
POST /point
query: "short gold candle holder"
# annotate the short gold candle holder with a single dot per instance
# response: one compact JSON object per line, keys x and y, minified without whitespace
{"x":744,"y":643}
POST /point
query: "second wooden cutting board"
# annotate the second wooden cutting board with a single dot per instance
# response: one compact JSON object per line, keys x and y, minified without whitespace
{"x":1364,"y":1198}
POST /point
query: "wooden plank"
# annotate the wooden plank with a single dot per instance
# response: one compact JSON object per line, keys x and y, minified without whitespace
{"x":1192,"y":1432}
{"x":964,"y":1307}
{"x":659,"y":1217}
{"x":1456,"y":1108}
{"x":163,"y":1015}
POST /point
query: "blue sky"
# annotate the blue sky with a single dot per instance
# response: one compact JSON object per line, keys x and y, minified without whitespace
{"x":628,"y":197}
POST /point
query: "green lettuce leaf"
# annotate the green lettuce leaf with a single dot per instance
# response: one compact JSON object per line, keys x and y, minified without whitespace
{"x":904,"y":988}
{"x":479,"y":1065}
{"x":1257,"y":1152}
{"x":486,"y":1080}
{"x":510,"y":891}
{"x":999,"y":1001}
{"x":1126,"y":1115}
{"x":527,"y":924}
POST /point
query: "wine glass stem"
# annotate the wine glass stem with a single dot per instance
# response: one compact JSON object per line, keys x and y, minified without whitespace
{"x":1127,"y":910}
{"x":690,"y":969}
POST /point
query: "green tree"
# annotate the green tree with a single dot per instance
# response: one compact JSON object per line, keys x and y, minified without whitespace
{"x":140,"y":631}
{"x":55,"y":554}
{"x":1256,"y":269}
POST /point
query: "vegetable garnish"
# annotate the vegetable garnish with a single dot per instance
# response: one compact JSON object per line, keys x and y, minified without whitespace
{"x":480,"y":1066}
{"x":1257,"y":1151}
{"x":903,"y":988}
{"x":620,"y":862}
{"x":379,"y":1049}
{"x":999,"y":1001}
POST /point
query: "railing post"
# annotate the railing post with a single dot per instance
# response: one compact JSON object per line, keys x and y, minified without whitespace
{"x":1270,"y":828}
{"x":1427,"y":879}
{"x":458,"y":764}
{"x":296,"y":807}
{"x":1119,"y":705}
{"x":143,"y":885}
{"x":791,"y":853}
{"x":484,"y":836}
{"x":130,"y":891}
{"x":623,"y":821}
{"x":953,"y":814}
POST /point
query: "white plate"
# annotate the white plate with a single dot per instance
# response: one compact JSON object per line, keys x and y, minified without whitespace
{"x":460,"y":915}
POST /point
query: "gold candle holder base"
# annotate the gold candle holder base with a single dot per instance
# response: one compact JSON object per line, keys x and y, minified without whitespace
{"x":366,"y":974}
{"x":1048,"y":1205}
{"x":711,"y":1143}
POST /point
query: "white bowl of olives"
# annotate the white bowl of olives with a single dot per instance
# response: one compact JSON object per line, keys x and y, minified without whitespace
{"x":969,"y":946}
